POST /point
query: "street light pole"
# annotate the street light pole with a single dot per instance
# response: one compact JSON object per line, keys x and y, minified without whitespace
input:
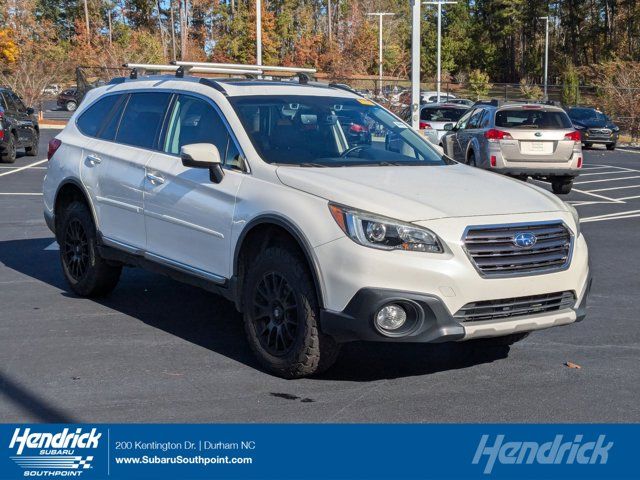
{"x":415,"y":64}
{"x":439,"y":3}
{"x":546,"y":54}
{"x":380,"y":15}
{"x":259,"y":32}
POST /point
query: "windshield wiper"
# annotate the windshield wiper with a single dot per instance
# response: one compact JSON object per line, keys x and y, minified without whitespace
{"x":310,"y":164}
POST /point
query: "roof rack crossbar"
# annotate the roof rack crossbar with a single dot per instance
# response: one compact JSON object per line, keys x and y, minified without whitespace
{"x":180,"y":70}
{"x":242,"y":66}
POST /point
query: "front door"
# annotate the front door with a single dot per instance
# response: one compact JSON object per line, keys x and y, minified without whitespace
{"x":188,"y":217}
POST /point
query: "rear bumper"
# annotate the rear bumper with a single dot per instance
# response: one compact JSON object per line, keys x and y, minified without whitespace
{"x":434,"y":323}
{"x":538,"y":172}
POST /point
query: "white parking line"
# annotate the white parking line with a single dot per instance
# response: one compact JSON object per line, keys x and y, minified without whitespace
{"x":608,"y":199}
{"x":629,"y":198}
{"x":613,"y":188}
{"x":19,"y":193}
{"x":53,"y":246}
{"x":620,"y":172}
{"x":6,"y":167}
{"x":606,"y":180}
{"x":23,"y":168}
{"x":611,"y":216}
{"x":630,"y":151}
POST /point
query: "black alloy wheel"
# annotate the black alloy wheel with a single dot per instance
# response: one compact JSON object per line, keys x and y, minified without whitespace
{"x":76,"y":250}
{"x":275,"y":314}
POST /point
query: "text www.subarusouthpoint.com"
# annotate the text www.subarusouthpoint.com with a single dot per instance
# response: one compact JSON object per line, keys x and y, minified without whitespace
{"x":183,"y":460}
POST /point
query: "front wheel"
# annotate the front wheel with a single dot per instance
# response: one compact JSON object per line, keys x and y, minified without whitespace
{"x":561,"y":186}
{"x":281,"y":316}
{"x":9,"y":153}
{"x":588,"y":145}
{"x":88,"y":274}
{"x":32,"y":151}
{"x":71,"y":106}
{"x":611,"y":146}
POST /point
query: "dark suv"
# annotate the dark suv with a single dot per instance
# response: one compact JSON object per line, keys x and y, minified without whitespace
{"x":18,"y":127}
{"x":594,"y":127}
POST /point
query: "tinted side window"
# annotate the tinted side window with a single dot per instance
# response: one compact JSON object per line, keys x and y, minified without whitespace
{"x":11,"y":106}
{"x":18,"y":103}
{"x":94,"y":117}
{"x":3,"y":103}
{"x":474,"y":121}
{"x":195,"y":121}
{"x":112,"y":119}
{"x":142,"y":119}
{"x":462,"y":123}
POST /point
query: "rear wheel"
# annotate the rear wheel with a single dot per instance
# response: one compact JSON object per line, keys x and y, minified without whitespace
{"x":32,"y":151}
{"x":472,"y":161}
{"x":611,"y":146}
{"x":281,"y":316}
{"x":9,"y":153}
{"x":561,"y":186}
{"x":88,"y":274}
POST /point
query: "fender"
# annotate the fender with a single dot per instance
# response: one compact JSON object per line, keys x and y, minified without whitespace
{"x":474,"y":146}
{"x":74,"y":181}
{"x":296,"y":233}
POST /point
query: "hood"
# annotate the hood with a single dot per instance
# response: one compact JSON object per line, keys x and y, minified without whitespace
{"x":593,"y":123}
{"x":415,"y":193}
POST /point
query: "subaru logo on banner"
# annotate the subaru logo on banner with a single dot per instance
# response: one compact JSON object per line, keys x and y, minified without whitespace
{"x":524,"y":240}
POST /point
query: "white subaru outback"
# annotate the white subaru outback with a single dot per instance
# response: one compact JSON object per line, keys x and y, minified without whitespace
{"x":283,"y":198}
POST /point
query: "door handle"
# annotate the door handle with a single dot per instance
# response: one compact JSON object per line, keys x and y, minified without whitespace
{"x":93,"y":159}
{"x":155,"y":179}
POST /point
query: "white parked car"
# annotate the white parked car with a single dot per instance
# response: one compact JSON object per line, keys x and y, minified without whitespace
{"x":253,"y":189}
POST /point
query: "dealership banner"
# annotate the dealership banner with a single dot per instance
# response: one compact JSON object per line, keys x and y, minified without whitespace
{"x":278,"y":451}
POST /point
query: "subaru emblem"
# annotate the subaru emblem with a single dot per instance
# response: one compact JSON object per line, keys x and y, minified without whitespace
{"x":524,"y":240}
{"x":538,"y":134}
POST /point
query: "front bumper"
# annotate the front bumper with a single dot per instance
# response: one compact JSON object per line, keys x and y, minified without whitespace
{"x":434,"y":323}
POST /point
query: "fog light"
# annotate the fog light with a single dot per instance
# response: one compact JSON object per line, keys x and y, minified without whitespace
{"x":391,"y":317}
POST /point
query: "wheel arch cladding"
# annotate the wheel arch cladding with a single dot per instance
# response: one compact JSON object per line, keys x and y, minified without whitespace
{"x":265,"y":231}
{"x":69,"y":191}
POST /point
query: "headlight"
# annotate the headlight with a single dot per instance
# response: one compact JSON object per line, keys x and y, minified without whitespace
{"x":576,"y":218}
{"x":579,"y":127}
{"x":384,"y":233}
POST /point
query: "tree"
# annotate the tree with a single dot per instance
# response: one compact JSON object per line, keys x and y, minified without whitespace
{"x":530,"y":91}
{"x":479,"y":83}
{"x":570,"y":86}
{"x":8,"y":47}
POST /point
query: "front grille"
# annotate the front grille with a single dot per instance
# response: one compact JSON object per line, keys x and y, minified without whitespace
{"x":600,"y":132}
{"x":494,"y":251}
{"x":515,"y":307}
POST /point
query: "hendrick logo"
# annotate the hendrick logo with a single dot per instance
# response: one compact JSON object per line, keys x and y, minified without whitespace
{"x":57,"y":453}
{"x":549,"y":453}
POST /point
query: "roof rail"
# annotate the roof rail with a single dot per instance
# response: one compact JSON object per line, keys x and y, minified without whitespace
{"x":342,"y":86}
{"x":245,"y":67}
{"x":493,"y":102}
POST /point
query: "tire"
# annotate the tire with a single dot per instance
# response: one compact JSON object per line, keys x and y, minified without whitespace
{"x":611,"y":146}
{"x":504,"y":341}
{"x":561,"y":187}
{"x":281,"y":316}
{"x":9,"y":153}
{"x":71,"y":106}
{"x":472,"y":161}
{"x":588,"y":145}
{"x":86,"y":272}
{"x":32,"y":151}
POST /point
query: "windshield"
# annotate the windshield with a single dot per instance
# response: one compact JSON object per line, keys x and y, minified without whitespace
{"x":586,"y":114}
{"x":532,"y":119}
{"x":442,"y":114}
{"x":330,"y":132}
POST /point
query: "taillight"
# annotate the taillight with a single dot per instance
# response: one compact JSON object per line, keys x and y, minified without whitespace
{"x":492,"y":161}
{"x":355,"y":128}
{"x":54,"y":145}
{"x":579,"y":162}
{"x":495,"y":135}
{"x":424,"y":125}
{"x":1,"y":132}
{"x":575,"y":136}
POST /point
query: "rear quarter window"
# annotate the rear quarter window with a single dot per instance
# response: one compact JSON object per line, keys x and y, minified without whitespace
{"x":91,"y":121}
{"x":540,"y":119}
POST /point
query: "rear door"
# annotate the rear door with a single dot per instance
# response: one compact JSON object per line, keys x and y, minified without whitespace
{"x":537,"y":134}
{"x":467,"y":129}
{"x":24,"y":122}
{"x":188,"y":217}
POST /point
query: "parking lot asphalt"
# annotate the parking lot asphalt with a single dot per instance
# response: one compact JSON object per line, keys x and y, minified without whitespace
{"x":156,"y":350}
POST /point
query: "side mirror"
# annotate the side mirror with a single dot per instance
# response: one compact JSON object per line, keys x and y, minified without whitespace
{"x":30,"y":111}
{"x":448,"y":126}
{"x":203,"y":155}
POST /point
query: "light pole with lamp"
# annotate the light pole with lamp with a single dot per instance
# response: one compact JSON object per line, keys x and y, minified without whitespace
{"x":259,"y":32}
{"x":380,"y":15}
{"x":439,"y":3}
